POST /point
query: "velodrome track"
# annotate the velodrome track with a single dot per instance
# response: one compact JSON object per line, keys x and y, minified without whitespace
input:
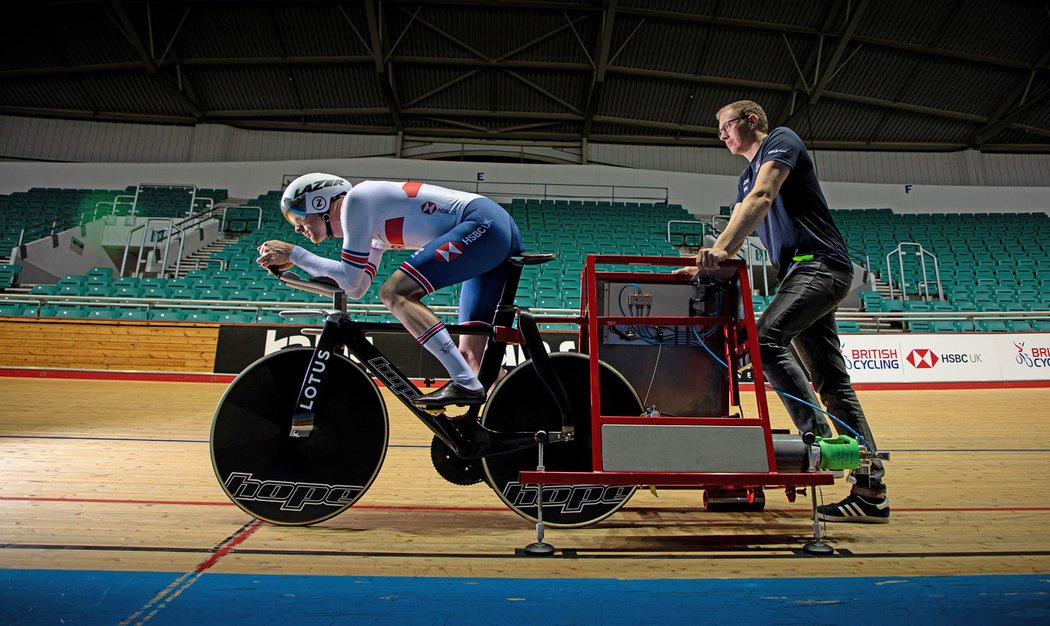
{"x":111,"y":514}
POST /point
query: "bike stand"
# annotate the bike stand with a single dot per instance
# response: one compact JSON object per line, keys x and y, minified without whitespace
{"x":817,"y":547}
{"x":539,"y":548}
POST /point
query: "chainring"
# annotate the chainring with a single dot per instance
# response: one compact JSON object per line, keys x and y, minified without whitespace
{"x":452,"y":468}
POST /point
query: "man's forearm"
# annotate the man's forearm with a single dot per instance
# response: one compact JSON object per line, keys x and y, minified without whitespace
{"x":745,"y":218}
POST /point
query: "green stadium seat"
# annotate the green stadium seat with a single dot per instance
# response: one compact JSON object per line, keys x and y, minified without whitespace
{"x":992,"y":326}
{"x":238,"y":317}
{"x":126,"y":313}
{"x":104,"y":312}
{"x":168,"y":315}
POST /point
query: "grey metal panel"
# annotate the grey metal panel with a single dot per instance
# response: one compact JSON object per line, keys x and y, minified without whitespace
{"x":676,"y":448}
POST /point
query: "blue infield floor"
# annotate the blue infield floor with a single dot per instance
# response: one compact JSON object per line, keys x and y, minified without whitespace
{"x":95,"y":597}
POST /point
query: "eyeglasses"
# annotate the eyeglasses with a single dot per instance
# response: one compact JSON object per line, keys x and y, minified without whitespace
{"x":724,"y":130}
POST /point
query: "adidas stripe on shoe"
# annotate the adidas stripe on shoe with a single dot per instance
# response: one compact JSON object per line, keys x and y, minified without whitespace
{"x":856,"y":509}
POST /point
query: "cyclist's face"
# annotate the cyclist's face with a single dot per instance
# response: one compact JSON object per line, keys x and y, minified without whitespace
{"x":311,"y":227}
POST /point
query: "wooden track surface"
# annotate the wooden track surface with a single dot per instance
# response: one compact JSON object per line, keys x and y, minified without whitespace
{"x":116,"y":475}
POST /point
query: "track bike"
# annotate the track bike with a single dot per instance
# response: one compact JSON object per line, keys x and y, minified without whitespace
{"x":301,"y":434}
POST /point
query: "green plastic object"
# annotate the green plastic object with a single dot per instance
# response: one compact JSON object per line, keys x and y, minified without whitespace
{"x":840,"y":453}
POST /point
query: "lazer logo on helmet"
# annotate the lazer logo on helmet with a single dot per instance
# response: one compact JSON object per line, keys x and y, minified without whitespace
{"x":318,"y":185}
{"x":291,"y":496}
{"x":565,"y":498}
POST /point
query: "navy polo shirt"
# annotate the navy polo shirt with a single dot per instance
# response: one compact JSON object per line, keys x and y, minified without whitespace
{"x":799,"y":223}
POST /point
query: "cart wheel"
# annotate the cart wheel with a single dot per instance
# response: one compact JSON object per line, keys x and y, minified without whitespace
{"x":297,"y":480}
{"x":520,"y":402}
{"x":734,"y":500}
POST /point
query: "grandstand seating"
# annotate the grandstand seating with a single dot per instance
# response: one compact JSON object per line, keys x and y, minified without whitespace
{"x":987,"y":262}
{"x":999,"y":259}
{"x":36,"y":209}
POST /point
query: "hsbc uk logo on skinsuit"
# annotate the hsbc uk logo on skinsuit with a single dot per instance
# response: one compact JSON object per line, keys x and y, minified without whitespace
{"x":448,"y":252}
{"x":476,"y":234}
{"x":430,"y":207}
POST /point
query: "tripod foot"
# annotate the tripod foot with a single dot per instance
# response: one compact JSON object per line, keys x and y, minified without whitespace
{"x":818,"y":548}
{"x":539,"y":549}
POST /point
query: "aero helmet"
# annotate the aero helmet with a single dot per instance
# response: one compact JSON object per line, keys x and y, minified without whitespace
{"x":312,"y":193}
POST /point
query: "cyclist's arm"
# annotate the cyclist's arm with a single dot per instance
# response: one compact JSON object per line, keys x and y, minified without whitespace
{"x":353,"y":273}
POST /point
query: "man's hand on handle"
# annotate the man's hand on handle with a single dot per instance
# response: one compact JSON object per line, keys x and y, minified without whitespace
{"x":706,"y":259}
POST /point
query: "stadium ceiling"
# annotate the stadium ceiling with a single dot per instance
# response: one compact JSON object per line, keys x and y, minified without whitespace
{"x":934,"y":75}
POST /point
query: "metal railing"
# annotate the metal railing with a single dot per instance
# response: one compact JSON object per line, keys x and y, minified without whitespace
{"x":923,"y":286}
{"x":884,"y":322}
{"x":540,"y":191}
{"x":226,"y":212}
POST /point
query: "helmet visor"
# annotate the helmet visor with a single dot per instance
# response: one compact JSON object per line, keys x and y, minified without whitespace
{"x":294,"y":209}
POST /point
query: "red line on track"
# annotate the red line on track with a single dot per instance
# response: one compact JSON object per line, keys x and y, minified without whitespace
{"x":217,"y":503}
{"x":183,"y":377}
{"x":971,"y":509}
{"x":230,"y":545}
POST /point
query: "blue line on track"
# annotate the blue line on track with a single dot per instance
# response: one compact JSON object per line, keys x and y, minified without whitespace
{"x":79,"y":438}
{"x":910,"y":451}
{"x":32,"y":597}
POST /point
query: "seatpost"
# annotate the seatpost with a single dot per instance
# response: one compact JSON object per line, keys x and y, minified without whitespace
{"x":492,"y":361}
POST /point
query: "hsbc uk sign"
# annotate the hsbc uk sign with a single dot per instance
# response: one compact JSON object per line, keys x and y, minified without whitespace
{"x":925,"y":358}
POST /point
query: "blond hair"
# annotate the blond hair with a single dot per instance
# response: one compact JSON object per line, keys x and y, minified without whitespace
{"x":744,"y":108}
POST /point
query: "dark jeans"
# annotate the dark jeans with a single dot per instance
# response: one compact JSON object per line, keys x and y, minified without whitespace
{"x":802,"y":315}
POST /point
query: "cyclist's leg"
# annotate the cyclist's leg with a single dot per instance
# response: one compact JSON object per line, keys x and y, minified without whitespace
{"x":480,"y":295}
{"x":475,"y":247}
{"x":401,"y":294}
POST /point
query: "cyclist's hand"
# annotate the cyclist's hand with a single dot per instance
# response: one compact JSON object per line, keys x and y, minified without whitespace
{"x":275,"y":253}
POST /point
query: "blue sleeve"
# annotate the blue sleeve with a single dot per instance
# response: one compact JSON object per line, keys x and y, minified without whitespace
{"x":781,"y":145}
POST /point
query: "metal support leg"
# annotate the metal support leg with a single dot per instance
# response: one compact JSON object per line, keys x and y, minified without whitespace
{"x":539,"y":548}
{"x":817,"y":547}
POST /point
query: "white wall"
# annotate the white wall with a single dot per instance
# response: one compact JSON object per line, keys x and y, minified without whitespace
{"x":700,"y":193}
{"x":25,"y":138}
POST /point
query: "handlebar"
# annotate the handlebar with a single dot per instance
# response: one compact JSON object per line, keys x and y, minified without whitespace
{"x":322,"y":286}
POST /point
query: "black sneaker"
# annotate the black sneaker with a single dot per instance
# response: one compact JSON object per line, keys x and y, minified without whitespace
{"x":451,"y":393}
{"x":856,"y":509}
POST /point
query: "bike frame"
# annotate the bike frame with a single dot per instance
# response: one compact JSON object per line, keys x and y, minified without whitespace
{"x":464,"y":434}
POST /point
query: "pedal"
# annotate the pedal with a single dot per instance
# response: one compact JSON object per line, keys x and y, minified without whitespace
{"x":452,"y":468}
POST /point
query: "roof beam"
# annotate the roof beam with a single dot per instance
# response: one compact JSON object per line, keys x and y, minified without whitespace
{"x":910,"y":108}
{"x":833,"y":65}
{"x":1014,"y":99}
{"x":601,"y":66}
{"x":385,"y":80}
{"x":147,"y":61}
{"x":790,"y":112}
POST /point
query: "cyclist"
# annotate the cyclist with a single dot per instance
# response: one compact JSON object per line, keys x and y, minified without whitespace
{"x":461,"y":237}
